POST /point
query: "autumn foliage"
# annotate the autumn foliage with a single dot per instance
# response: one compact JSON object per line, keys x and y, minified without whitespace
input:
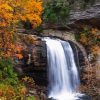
{"x":11,"y":13}
{"x":90,"y":38}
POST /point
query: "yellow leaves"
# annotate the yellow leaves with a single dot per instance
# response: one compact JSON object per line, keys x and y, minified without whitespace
{"x":89,"y":35}
{"x":25,"y":78}
{"x":32,"y":11}
{"x":34,"y":19}
{"x":11,"y":12}
{"x":94,"y":31}
{"x":23,"y":91}
{"x":23,"y":18}
{"x":8,"y":92}
{"x":5,"y":13}
{"x":83,"y":39}
{"x":95,"y":49}
{"x":3,"y":24}
{"x":28,"y":81}
{"x":90,"y":38}
{"x":5,"y":6}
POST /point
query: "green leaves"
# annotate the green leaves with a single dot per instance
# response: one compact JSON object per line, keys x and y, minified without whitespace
{"x":31,"y":98}
{"x":6,"y":72}
{"x":56,"y":11}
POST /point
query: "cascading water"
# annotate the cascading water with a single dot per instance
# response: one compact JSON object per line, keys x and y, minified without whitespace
{"x":63,"y":73}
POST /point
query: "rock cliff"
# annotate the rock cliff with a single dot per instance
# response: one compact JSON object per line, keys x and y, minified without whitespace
{"x":90,"y":16}
{"x":34,"y":62}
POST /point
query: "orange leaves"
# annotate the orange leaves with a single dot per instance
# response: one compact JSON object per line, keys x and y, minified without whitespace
{"x":32,"y":11}
{"x":18,"y":47}
{"x":1,"y":93}
{"x":11,"y":12}
{"x":23,"y":91}
{"x":13,"y":50}
{"x":16,"y":10}
{"x":94,"y":31}
{"x":19,"y":56}
{"x":83,"y":39}
{"x":17,"y":50}
{"x":95,"y":49}
{"x":90,"y":37}
{"x":8,"y":92}
{"x":5,"y":13}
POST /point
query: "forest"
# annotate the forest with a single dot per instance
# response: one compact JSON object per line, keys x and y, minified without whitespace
{"x":49,"y":49}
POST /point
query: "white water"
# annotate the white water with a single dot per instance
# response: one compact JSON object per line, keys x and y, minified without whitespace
{"x":63,"y":73}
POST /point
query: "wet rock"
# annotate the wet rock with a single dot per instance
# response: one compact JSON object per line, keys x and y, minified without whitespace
{"x":38,"y":53}
{"x":85,"y":97}
{"x":34,"y":60}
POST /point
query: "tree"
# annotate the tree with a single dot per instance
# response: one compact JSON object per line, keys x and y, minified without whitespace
{"x":12,"y":12}
{"x":90,"y":38}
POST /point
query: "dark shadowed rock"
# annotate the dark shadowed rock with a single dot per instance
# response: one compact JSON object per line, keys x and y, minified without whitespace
{"x":34,"y":60}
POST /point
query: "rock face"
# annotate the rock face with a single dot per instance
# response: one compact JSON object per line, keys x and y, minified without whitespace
{"x":34,"y":62}
{"x":68,"y":36}
{"x":61,"y":34}
{"x":77,"y":17}
{"x":98,"y":71}
{"x":90,"y":16}
{"x":93,"y":12}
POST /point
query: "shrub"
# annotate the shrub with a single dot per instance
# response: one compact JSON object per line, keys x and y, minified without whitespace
{"x":6,"y":72}
{"x":56,"y":11}
{"x":12,"y":93}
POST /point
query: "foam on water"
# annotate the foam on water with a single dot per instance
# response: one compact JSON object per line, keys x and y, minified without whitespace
{"x":62,"y":70}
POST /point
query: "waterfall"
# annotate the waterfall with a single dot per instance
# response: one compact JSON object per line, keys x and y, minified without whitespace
{"x":62,"y":70}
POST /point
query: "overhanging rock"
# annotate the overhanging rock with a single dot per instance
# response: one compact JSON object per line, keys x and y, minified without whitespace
{"x":90,"y":16}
